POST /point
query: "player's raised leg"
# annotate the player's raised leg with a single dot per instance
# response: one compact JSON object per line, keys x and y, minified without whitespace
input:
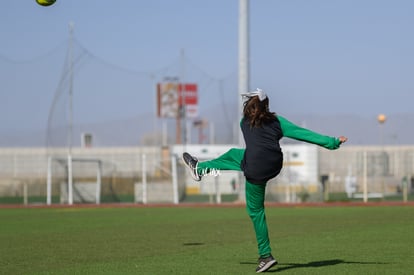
{"x":230,"y":160}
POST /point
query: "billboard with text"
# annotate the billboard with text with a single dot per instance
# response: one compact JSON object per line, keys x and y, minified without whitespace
{"x":174,"y":98}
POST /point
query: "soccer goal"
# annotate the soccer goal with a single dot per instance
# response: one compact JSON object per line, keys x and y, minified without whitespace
{"x":70,"y":191}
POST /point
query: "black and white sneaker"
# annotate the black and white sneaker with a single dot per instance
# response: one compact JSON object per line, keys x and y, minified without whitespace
{"x":191,"y":163}
{"x":265,"y":264}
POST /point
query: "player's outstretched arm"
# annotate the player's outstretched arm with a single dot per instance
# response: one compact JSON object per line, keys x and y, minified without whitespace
{"x":294,"y":131}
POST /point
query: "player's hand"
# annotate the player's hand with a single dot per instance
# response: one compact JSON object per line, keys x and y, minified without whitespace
{"x":342,"y":139}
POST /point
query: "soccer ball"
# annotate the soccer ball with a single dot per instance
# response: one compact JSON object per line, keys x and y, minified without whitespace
{"x":45,"y":3}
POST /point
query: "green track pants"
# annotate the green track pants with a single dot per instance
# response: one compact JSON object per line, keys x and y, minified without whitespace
{"x":255,"y":195}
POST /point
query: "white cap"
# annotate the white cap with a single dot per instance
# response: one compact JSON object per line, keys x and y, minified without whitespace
{"x":258,"y":92}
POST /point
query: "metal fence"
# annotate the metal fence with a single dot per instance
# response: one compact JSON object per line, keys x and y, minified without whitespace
{"x":24,"y":172}
{"x":376,"y":170}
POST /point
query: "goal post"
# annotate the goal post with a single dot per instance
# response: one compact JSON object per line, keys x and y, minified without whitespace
{"x":67,"y":163}
{"x":168,"y":189}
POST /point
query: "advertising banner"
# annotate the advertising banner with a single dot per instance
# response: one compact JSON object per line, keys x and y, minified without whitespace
{"x":175,"y":98}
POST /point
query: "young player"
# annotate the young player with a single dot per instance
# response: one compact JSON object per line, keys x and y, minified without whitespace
{"x":260,"y":161}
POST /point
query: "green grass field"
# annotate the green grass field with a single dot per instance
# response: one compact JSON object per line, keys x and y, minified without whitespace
{"x":209,"y":240}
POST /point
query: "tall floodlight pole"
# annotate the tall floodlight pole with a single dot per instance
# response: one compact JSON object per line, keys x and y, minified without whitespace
{"x":70,"y":132}
{"x":243,"y":72}
{"x":243,"y":56}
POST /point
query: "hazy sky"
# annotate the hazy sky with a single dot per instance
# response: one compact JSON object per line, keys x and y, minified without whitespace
{"x":311,"y":56}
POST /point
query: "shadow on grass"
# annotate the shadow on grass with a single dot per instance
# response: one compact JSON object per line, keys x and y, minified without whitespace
{"x":285,"y":266}
{"x":193,"y":244}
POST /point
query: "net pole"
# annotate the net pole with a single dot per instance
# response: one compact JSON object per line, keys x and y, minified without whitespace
{"x":218,"y":193}
{"x":405,"y":189}
{"x":49,"y":182}
{"x":98,"y":183}
{"x":70,"y":175}
{"x":144,"y":179}
{"x":174,"y":179}
{"x":365,"y":184}
{"x":25,"y":194}
{"x":70,"y":180}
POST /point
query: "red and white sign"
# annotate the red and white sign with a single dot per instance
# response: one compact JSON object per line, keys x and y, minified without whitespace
{"x":173,"y":97}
